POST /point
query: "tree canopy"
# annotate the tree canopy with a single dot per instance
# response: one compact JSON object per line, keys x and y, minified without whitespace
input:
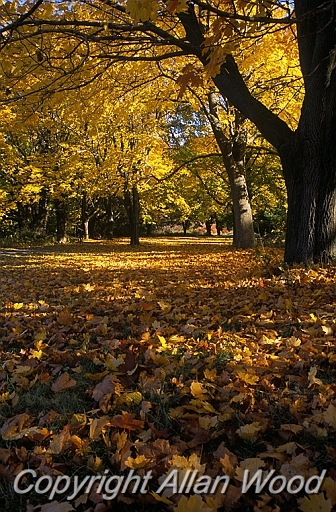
{"x":245,"y":49}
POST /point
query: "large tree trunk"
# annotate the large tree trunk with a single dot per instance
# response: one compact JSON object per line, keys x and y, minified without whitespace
{"x":233,"y":153}
{"x":132,"y":205}
{"x":311,"y":187}
{"x":308,"y":155}
{"x":309,"y":159}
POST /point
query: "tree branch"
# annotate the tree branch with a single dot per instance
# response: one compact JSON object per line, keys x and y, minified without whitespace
{"x":177,"y":169}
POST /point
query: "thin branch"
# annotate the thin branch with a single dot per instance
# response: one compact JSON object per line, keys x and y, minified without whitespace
{"x":254,"y":19}
{"x":22,"y":18}
{"x":171,"y":174}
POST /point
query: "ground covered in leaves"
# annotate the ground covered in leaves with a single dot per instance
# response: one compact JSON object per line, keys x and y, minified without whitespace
{"x":180,"y":354}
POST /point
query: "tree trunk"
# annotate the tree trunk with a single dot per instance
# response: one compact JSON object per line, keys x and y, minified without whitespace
{"x":86,"y":229}
{"x":233,"y":153}
{"x":218,"y":227}
{"x":21,"y":216}
{"x":85,"y":218}
{"x":92,"y":226}
{"x":208,"y":225}
{"x":132,"y":205}
{"x":43,"y":214}
{"x":39,"y":215}
{"x":309,"y":158}
{"x":185,"y":226}
{"x":149,"y":229}
{"x":61,"y":221}
{"x":110,"y":218}
{"x":308,"y":154}
{"x":311,"y":188}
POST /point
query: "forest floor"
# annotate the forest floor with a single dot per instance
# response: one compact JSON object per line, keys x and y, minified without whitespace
{"x":182,"y":354}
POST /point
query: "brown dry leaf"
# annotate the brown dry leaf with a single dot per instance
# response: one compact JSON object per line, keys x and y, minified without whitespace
{"x":55,"y":506}
{"x":96,"y":427}
{"x":60,"y":442}
{"x":104,"y":388}
{"x":192,"y":504}
{"x":65,"y":318}
{"x":207,"y":422}
{"x":292,"y":427}
{"x":249,"y":431}
{"x":228,"y":468}
{"x":14,"y":426}
{"x":329,"y":416}
{"x":315,"y":503}
{"x":249,"y":377}
{"x":329,"y":485}
{"x":139,"y":462}
{"x":63,"y":383}
{"x":96,"y":376}
{"x":312,"y":377}
{"x":252,"y":465}
{"x":198,"y":391}
{"x":127,"y":421}
{"x":163,"y":499}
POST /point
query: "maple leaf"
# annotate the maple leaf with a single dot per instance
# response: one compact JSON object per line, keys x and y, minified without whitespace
{"x":197,"y":390}
{"x":249,"y":431}
{"x":252,"y":465}
{"x":189,"y":76}
{"x":126,"y":421}
{"x":103,"y":392}
{"x":208,"y":422}
{"x":192,"y":504}
{"x":315,"y":502}
{"x":96,"y":427}
{"x":163,"y":499}
{"x":329,"y":485}
{"x":176,"y":5}
{"x":61,"y":441}
{"x":312,"y":377}
{"x":329,"y":415}
{"x":249,"y":377}
{"x":63,"y":383}
{"x":139,"y":462}
{"x":13,"y":427}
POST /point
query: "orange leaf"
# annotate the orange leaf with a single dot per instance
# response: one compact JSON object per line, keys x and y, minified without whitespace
{"x":63,"y":383}
{"x":126,"y":421}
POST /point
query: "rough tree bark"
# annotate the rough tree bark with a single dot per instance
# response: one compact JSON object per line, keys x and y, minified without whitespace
{"x":309,"y":157}
{"x":233,"y":153}
{"x":308,"y":154}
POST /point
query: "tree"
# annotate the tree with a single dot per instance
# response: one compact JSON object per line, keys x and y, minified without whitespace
{"x":214,"y":33}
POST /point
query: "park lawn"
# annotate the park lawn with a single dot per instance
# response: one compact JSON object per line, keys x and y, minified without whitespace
{"x":178,"y":354}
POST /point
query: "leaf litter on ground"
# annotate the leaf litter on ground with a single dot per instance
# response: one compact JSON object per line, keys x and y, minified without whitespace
{"x":177,"y":354}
